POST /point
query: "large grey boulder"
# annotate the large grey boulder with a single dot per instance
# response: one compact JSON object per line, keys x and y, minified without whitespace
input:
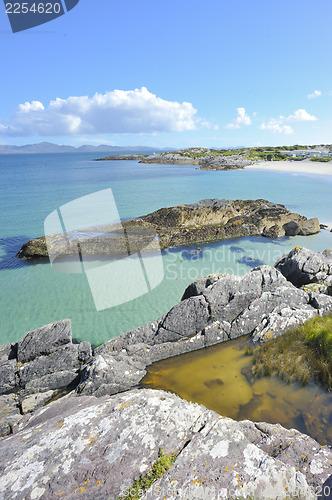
{"x":44,"y":340}
{"x":110,"y":374}
{"x":45,"y":361}
{"x":96,"y":448}
{"x":8,"y":376}
{"x":64,"y":359}
{"x":302,"y":266}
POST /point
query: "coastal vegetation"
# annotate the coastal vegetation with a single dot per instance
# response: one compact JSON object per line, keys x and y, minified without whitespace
{"x":323,"y":158}
{"x":302,"y":354}
{"x":268,"y":153}
{"x":143,"y":483}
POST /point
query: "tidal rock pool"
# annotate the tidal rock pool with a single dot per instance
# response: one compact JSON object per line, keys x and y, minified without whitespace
{"x":220,"y":377}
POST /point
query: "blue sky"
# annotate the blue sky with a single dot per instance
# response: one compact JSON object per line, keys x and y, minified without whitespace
{"x":172,"y":74}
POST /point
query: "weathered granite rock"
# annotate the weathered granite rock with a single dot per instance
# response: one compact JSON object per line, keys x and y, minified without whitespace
{"x":202,"y":222}
{"x":10,"y":414}
{"x":8,"y":376}
{"x":111,"y":374}
{"x":38,"y":366}
{"x":8,"y":351}
{"x":34,"y":401}
{"x":44,"y":341}
{"x":96,"y":448}
{"x":302,"y":266}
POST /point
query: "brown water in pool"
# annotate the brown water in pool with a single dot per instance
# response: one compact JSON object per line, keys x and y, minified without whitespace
{"x":219,"y":377}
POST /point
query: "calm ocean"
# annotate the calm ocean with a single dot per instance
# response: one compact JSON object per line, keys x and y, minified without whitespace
{"x":32,"y":186}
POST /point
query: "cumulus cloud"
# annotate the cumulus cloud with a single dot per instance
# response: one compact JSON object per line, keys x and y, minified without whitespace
{"x":115,"y":112}
{"x":276,"y":126}
{"x":241,"y":119}
{"x":301,"y":115}
{"x":316,"y":93}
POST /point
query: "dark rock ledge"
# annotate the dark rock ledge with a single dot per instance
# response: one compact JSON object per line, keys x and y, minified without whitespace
{"x":100,"y":446}
{"x":206,"y":221}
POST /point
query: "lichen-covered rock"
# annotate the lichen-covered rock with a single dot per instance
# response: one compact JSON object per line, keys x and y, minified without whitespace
{"x":33,"y":370}
{"x":96,"y":448}
{"x":302,"y":266}
{"x":108,"y":374}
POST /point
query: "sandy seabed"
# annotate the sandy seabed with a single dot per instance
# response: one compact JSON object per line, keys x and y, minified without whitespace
{"x":300,"y":167}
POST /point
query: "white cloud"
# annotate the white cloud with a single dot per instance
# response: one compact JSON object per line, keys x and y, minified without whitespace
{"x":116,"y":112}
{"x":276,"y":126}
{"x":31,"y":106}
{"x":241,"y":119}
{"x":301,"y":115}
{"x":316,"y":93}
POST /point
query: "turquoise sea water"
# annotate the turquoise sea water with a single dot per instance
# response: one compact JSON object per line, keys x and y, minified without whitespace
{"x":32,"y":186}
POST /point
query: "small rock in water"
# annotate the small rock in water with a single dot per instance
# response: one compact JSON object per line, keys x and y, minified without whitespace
{"x":195,"y":254}
{"x":235,"y":249}
{"x":249,"y":261}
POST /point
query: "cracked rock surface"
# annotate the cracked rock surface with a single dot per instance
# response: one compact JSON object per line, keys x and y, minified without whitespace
{"x":95,"y":449}
{"x":302,"y":266}
{"x":36,"y":368}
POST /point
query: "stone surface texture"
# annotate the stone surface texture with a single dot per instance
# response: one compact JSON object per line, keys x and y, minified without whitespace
{"x":36,"y":368}
{"x":302,"y":267}
{"x":95,"y":449}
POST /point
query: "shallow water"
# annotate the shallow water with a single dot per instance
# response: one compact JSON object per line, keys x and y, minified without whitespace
{"x":219,"y":377}
{"x":32,"y":186}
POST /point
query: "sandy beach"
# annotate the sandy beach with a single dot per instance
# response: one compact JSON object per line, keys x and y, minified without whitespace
{"x":300,"y":167}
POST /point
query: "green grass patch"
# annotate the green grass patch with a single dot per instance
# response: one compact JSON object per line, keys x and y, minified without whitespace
{"x":302,"y":354}
{"x":322,"y":159}
{"x":143,"y":483}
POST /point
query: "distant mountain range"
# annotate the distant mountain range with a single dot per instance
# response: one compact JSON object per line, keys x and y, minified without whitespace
{"x":49,"y":147}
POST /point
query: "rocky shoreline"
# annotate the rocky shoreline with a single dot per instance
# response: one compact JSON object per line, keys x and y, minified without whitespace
{"x":139,"y":156}
{"x":79,"y":442}
{"x":206,"y":221}
{"x":206,"y":159}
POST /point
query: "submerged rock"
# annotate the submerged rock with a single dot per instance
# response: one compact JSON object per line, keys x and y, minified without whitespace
{"x":97,"y":448}
{"x":250,"y":261}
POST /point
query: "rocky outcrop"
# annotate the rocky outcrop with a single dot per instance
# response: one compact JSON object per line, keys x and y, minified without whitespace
{"x":207,"y":159}
{"x":138,"y":156}
{"x":262,"y":303}
{"x":96,"y":449}
{"x":302,"y":267}
{"x":196,"y":223}
{"x":34,"y":370}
